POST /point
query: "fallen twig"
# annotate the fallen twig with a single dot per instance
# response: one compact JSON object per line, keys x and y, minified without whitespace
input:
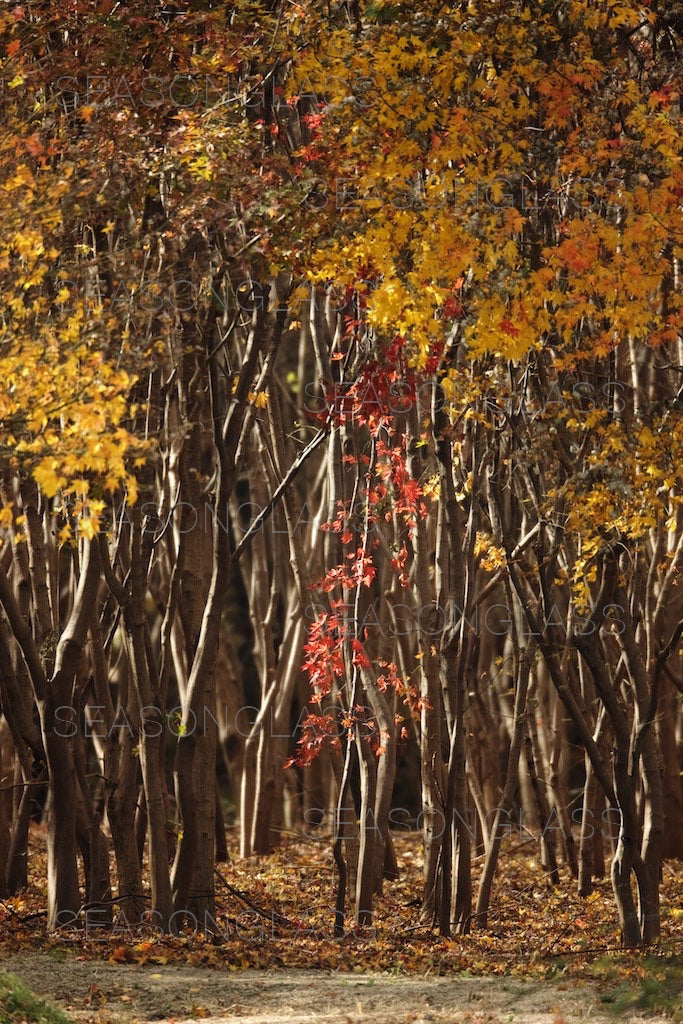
{"x":274,"y":917}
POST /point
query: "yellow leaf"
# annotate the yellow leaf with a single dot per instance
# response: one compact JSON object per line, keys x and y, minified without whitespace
{"x":88,"y":527}
{"x":46,"y":477}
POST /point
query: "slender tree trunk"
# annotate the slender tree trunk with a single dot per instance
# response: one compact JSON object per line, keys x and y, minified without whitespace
{"x":95,"y":848}
{"x":63,"y":901}
{"x":121,"y":795}
{"x":17,"y":852}
{"x":538,"y":785}
{"x":456,"y":887}
{"x":5,"y":813}
{"x":202,"y":899}
{"x":365,"y":878}
{"x":588,"y":820}
{"x":386,"y":774}
{"x":488,"y":872}
{"x":116,"y":748}
{"x":151,"y":728}
{"x":558,"y":787}
{"x":672,"y":784}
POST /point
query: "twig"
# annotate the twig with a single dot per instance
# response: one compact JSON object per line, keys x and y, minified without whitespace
{"x":25,"y":917}
{"x":85,"y":907}
{"x":22,"y":785}
{"x":280,"y":490}
{"x":283,"y":921}
{"x":582,"y":952}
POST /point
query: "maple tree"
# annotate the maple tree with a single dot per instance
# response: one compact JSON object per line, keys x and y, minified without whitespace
{"x":341,"y":443}
{"x":520,"y":234}
{"x":114,"y":281}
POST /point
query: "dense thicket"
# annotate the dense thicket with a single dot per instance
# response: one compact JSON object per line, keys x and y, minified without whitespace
{"x":342,"y":445}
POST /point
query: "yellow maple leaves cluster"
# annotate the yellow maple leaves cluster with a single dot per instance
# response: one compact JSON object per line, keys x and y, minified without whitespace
{"x":500,"y":179}
{"x":63,"y":403}
{"x":482,"y":124}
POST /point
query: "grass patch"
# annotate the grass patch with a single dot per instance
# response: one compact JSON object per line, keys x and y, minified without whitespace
{"x":658,"y":991}
{"x":18,"y":1005}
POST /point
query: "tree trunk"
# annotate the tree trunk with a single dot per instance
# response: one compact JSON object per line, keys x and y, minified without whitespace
{"x":672,"y":785}
{"x":152,"y":724}
{"x":488,"y":872}
{"x":365,"y":879}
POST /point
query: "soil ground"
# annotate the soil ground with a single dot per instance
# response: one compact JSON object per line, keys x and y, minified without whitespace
{"x":107,"y":993}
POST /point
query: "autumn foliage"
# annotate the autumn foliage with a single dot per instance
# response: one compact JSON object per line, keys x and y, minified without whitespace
{"x":341,"y":448}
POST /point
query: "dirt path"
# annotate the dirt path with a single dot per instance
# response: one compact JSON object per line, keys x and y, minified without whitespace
{"x":109,"y":993}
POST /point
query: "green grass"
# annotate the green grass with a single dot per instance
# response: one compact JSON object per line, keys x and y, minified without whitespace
{"x":18,"y":1005}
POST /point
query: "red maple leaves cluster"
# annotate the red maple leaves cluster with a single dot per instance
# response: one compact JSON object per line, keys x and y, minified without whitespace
{"x":387,"y":491}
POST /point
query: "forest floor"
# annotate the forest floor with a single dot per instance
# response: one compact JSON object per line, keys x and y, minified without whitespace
{"x":105,"y":993}
{"x":546,"y":957}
